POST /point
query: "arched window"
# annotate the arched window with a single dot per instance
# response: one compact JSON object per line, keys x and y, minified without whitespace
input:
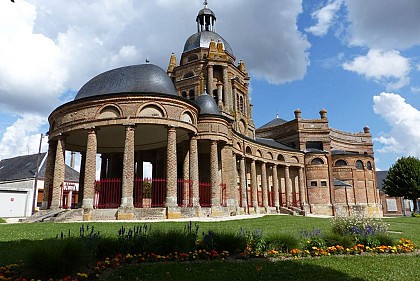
{"x":237,"y":102}
{"x":192,"y":95}
{"x":359,"y":165}
{"x":340,"y":163}
{"x":369,"y":165}
{"x":184,"y":94}
{"x":193,"y":57}
{"x":189,"y":74}
{"x":241,"y":104}
{"x":215,"y":95}
{"x":317,"y":161}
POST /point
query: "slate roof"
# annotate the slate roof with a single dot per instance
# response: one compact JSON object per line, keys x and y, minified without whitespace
{"x":275,"y":122}
{"x":341,"y":183}
{"x":380,"y":177}
{"x":24,"y":167}
{"x":274,"y":143}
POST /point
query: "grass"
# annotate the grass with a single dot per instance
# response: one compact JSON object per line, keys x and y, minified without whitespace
{"x":323,"y":268}
{"x":16,"y":239}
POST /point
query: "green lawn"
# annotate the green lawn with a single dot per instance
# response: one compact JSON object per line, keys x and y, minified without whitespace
{"x":15,"y":238}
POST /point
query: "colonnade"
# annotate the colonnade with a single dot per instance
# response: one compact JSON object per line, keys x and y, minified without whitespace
{"x":56,"y":167}
{"x":269,"y":183}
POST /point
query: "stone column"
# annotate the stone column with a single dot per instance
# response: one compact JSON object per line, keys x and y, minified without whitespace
{"x":214,"y":175}
{"x":171,"y":170}
{"x":90,"y":174}
{"x":210,"y":80}
{"x":242,"y":179}
{"x":82,"y":179}
{"x":194,"y":174}
{"x":49,"y":173}
{"x":226,"y":92}
{"x":254,"y":185}
{"x":59,"y":169}
{"x":128,"y":170}
{"x":302,"y":188}
{"x":288,"y":187}
{"x":229,"y":175}
{"x":264,"y":184}
{"x":220,"y":95}
{"x":276,"y":187}
{"x":186,"y":196}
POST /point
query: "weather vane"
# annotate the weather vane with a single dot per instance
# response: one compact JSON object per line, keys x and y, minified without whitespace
{"x":205,"y":4}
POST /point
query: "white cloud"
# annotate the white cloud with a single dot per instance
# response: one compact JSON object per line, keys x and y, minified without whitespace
{"x":325,"y":17}
{"x":384,"y":24}
{"x":415,"y":90}
{"x":404,"y":121}
{"x":49,"y":49}
{"x":387,"y":67}
{"x":21,"y":137}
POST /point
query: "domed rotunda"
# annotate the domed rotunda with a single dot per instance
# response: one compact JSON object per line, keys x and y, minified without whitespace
{"x":192,"y":127}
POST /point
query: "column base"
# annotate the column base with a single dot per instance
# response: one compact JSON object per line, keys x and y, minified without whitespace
{"x":197,"y":211}
{"x":87,"y":203}
{"x":125,"y":214}
{"x":55,"y":205}
{"x":173,"y":212}
{"x":127,"y":202}
{"x":217,"y":211}
{"x":87,"y":214}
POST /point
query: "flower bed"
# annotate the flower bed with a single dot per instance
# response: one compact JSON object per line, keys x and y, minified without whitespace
{"x":144,"y":246}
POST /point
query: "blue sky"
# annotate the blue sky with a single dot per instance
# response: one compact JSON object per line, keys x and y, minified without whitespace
{"x":360,"y":60}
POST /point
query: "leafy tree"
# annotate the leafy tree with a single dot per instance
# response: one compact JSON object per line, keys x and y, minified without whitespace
{"x":403,"y":179}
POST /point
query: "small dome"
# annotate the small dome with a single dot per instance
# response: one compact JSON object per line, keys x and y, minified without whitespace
{"x":143,"y":78}
{"x":206,"y":11}
{"x":202,"y":40}
{"x":207,"y":104}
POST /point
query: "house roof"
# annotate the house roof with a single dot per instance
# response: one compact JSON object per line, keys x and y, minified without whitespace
{"x":275,"y":122}
{"x":339,"y":183}
{"x":380,"y":177}
{"x":24,"y":167}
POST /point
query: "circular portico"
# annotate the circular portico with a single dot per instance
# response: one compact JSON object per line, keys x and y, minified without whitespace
{"x":128,"y":116}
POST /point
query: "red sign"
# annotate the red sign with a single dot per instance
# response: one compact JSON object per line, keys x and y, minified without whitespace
{"x":12,"y":199}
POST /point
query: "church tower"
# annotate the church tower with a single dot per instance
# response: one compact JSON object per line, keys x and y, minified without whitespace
{"x":208,"y":64}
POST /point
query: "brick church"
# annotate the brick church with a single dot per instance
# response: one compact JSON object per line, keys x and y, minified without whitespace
{"x":193,"y":125}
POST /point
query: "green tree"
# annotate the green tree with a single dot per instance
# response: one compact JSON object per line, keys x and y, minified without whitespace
{"x":403,"y":179}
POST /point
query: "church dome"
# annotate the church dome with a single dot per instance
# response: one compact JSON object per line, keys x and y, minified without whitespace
{"x":207,"y":104}
{"x":202,"y":40}
{"x":206,"y":20}
{"x":143,"y":78}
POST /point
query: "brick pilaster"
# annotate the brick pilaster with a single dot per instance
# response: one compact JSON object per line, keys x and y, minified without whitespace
{"x":90,"y":171}
{"x":171,"y":169}
{"x":288,"y":186}
{"x":194,"y":171}
{"x":243,"y":183}
{"x":276,"y":187}
{"x":254,"y":184}
{"x":59,"y":168}
{"x":49,"y":173}
{"x":128,"y":169}
{"x":214,"y":174}
{"x":264,"y":185}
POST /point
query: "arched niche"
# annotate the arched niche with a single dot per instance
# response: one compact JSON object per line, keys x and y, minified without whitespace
{"x":151,"y":110}
{"x":108,"y":112}
{"x":186,"y":116}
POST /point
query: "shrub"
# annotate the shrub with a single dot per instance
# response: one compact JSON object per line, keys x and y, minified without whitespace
{"x":255,"y":244}
{"x":357,"y":225}
{"x":222,"y":241}
{"x":171,"y":241}
{"x":384,"y":239}
{"x":282,"y":242}
{"x":334,"y":239}
{"x":2,"y":220}
{"x":55,"y":258}
{"x":312,"y":239}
